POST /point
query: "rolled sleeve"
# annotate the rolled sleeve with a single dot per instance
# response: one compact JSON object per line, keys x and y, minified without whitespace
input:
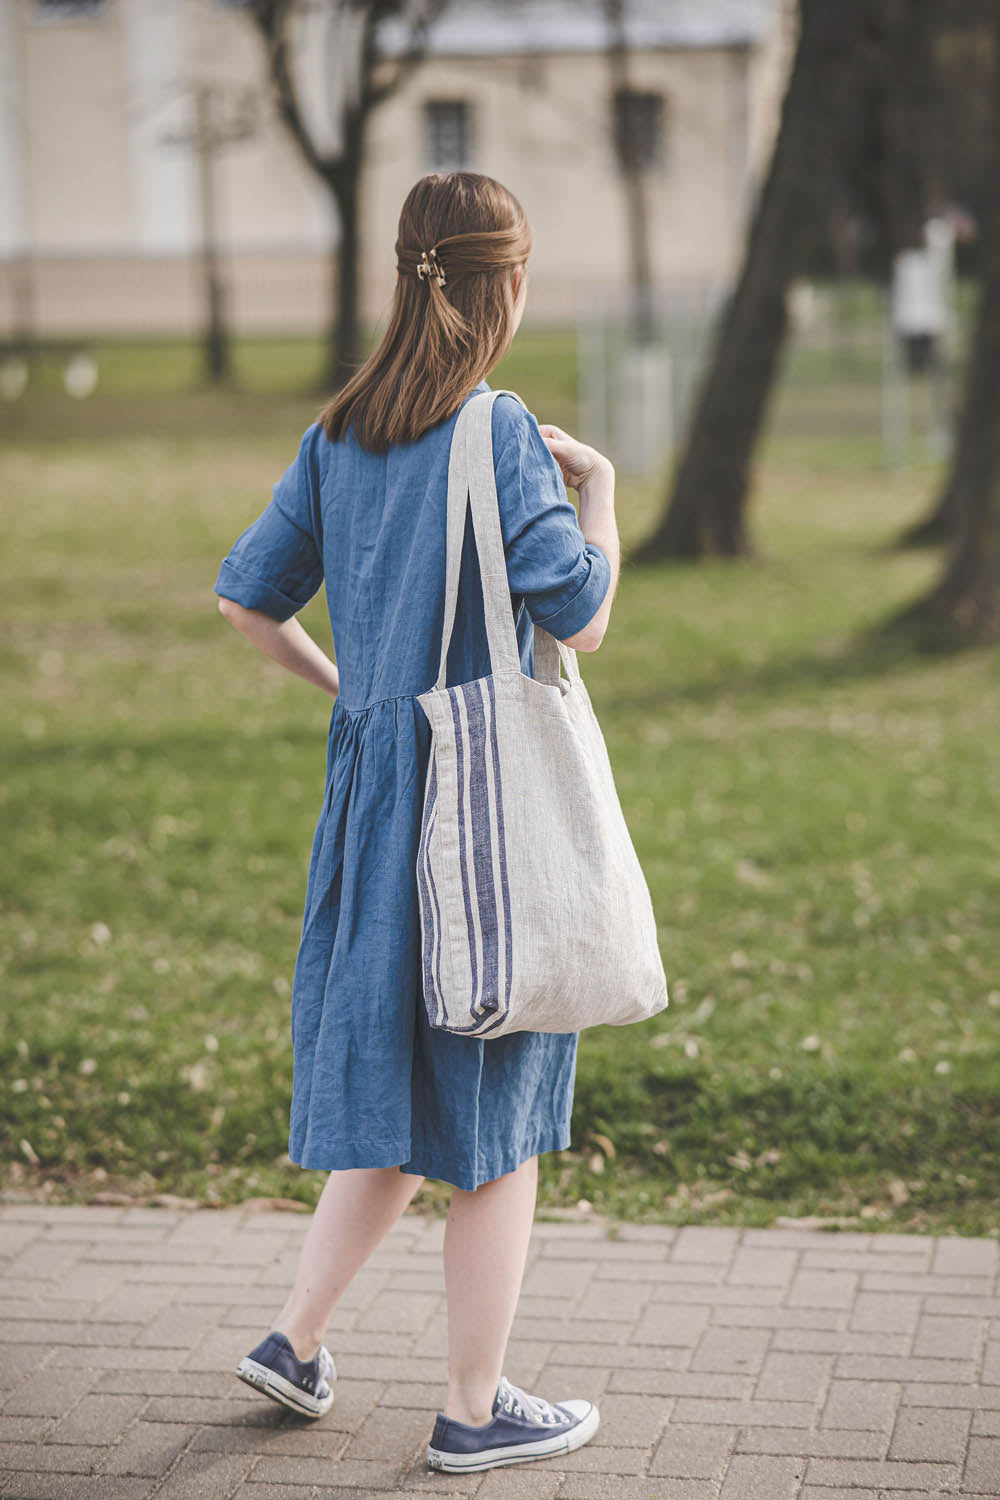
{"x":276,"y":564}
{"x":586,"y":593}
{"x":562,"y":577}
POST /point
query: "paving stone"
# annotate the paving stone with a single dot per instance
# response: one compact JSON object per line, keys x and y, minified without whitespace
{"x":713,"y":1291}
{"x":77,"y":1487}
{"x":733,"y":1351}
{"x":693,"y":1452}
{"x":682,"y":1383}
{"x":670,"y":1323}
{"x":268,"y":1491}
{"x":97,"y":1418}
{"x":885,"y":1312}
{"x":21,"y":1309}
{"x":42,"y":1259}
{"x":861,"y":1403}
{"x":620,"y":1356}
{"x":824,"y":1341}
{"x":45,"y":1332}
{"x":986,"y":1423}
{"x":762,"y":1478}
{"x":891,"y":1367}
{"x":291,"y":1438}
{"x":133,"y":1303}
{"x":982,"y":1471}
{"x":822,"y":1289}
{"x":520,"y":1484}
{"x":584,"y":1382}
{"x":79,"y":1357}
{"x":948,"y":1338}
{"x":345,"y":1474}
{"x":954,"y":1256}
{"x":619,"y":1301}
{"x":922,"y":1433}
{"x":614,"y":1487}
{"x":595,"y":1458}
{"x":401,"y":1311}
{"x":178,"y":1326}
{"x":808,"y":1319}
{"x":205,"y":1476}
{"x":793,"y":1377}
{"x":925,"y":1393}
{"x":847,"y":1442}
{"x":812,"y":1492}
{"x":753,"y":1266}
{"x":567,"y":1330}
{"x":72,"y":1458}
{"x":17,"y":1362}
{"x":886,"y":1474}
{"x":558,"y":1278}
{"x":16,"y":1237}
{"x":990,"y":1374}
{"x":862,"y":1260}
{"x":24,"y":1429}
{"x":743,"y":1413}
{"x":950,"y":1286}
{"x":629,"y":1251}
{"x":39,"y":1396}
{"x":813,"y":1239}
{"x":886,"y":1241}
{"x":631,"y":1421}
{"x":391,"y":1434}
{"x":148,"y":1448}
{"x":705,"y":1242}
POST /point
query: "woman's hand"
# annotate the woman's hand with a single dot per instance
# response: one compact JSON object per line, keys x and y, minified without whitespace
{"x":578,"y":463}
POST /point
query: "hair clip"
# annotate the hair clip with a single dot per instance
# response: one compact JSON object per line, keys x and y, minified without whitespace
{"x":430,"y":266}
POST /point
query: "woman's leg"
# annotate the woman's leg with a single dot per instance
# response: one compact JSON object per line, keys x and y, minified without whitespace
{"x":485,"y":1251}
{"x":356,"y":1209}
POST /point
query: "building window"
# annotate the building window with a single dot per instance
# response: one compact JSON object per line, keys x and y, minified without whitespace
{"x":448,"y":134}
{"x":638,"y":129}
{"x":61,"y":9}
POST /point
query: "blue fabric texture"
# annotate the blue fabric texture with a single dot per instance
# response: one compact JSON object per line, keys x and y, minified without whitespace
{"x":374,"y":1084}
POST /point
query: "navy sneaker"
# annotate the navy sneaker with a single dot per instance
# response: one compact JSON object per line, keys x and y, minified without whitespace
{"x":522,"y":1427}
{"x":306,"y":1385}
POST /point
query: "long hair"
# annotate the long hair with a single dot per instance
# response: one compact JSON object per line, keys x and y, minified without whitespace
{"x":441,"y":339}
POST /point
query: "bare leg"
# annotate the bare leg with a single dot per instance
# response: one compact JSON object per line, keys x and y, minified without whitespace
{"x":356,"y":1209}
{"x":485,"y":1251}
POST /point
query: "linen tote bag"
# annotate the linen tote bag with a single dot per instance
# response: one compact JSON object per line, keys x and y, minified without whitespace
{"x":534,"y":910}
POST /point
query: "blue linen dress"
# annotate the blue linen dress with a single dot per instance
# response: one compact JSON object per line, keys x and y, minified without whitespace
{"x":374,"y":1085}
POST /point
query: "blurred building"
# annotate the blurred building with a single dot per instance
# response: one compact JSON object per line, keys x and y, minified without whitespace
{"x":102,"y":206}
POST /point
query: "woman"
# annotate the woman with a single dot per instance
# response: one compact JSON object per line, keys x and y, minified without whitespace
{"x":381,"y":1100}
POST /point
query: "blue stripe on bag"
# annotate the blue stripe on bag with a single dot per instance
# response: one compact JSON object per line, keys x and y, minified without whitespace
{"x":481,"y":858}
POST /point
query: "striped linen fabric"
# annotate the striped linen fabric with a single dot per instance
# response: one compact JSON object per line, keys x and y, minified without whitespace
{"x":534,"y":910}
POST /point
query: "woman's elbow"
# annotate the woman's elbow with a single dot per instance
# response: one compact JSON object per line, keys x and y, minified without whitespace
{"x":228,"y":607}
{"x":587,"y":639}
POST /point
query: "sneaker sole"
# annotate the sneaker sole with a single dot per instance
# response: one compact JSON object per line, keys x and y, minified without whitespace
{"x":516,"y":1453}
{"x":279,"y":1389}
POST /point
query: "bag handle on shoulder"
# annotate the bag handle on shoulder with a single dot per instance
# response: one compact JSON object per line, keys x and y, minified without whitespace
{"x":472,"y":480}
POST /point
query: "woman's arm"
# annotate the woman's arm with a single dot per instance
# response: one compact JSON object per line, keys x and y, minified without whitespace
{"x":285,"y":642}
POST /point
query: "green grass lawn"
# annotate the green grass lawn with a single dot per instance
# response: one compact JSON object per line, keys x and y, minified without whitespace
{"x":814,"y":804}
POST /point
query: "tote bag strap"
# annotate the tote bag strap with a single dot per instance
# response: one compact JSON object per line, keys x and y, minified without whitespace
{"x":472,"y":480}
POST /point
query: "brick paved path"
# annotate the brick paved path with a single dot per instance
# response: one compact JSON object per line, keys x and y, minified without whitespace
{"x":729,"y":1365}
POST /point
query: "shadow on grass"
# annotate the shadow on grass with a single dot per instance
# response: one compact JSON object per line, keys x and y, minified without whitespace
{"x":904,"y":641}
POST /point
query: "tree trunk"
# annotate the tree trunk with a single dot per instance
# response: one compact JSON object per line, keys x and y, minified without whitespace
{"x":344,"y":347}
{"x":215,"y":337}
{"x":968,"y":594}
{"x":706,"y":512}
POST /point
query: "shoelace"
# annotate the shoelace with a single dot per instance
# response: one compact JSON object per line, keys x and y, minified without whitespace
{"x":512,"y":1398}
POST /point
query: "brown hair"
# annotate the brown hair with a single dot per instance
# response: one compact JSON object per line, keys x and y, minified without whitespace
{"x":441,"y":339}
